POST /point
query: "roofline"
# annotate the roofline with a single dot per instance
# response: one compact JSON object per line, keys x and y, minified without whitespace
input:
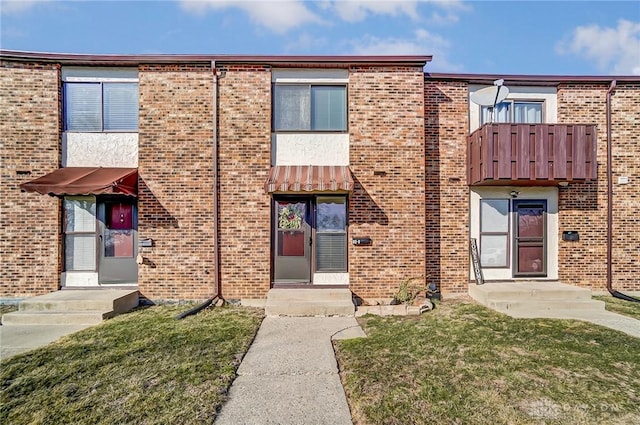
{"x":538,"y":80}
{"x":107,"y":59}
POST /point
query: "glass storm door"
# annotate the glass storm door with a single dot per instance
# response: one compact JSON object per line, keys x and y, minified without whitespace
{"x":118,"y":240}
{"x":292,"y":241}
{"x":529,"y":238}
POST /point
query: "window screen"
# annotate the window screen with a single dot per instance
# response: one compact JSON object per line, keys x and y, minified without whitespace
{"x":304,"y":107}
{"x":331,"y":234}
{"x":95,"y":107}
{"x":494,"y":232}
{"x":80,"y":233}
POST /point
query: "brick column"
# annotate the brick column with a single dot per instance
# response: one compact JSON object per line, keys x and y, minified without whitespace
{"x":386,"y":119}
{"x":29,"y":148}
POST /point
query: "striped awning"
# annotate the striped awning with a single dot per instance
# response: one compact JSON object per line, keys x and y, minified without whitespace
{"x":309,"y":178}
{"x":86,"y":181}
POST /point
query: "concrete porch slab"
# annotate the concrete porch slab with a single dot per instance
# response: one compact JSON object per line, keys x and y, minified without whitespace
{"x":309,"y":302}
{"x":72,"y":307}
{"x":534,"y":299}
{"x":550,"y":300}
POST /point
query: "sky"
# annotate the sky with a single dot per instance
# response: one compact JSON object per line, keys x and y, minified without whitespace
{"x":477,"y":37}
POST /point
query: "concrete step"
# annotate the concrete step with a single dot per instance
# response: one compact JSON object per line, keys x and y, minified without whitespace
{"x":19,"y":318}
{"x":310,"y":294}
{"x":539,"y":291}
{"x":72,"y":307}
{"x":115,"y":300}
{"x":535,"y":299}
{"x":309,"y":302}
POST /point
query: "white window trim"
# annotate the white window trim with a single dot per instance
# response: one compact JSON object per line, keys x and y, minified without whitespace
{"x":547,"y":95}
{"x":311,"y":76}
{"x":96,"y":74}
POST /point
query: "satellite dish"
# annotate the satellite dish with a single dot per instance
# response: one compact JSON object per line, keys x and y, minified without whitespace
{"x":490,"y":96}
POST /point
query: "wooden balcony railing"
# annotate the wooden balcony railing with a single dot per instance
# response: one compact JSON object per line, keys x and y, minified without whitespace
{"x":531,"y":154}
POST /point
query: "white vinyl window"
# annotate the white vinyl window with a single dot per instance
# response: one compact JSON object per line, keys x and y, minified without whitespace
{"x":494,"y":232}
{"x":101,"y":106}
{"x":513,"y":111}
{"x":80,"y":233}
{"x":306,"y":107}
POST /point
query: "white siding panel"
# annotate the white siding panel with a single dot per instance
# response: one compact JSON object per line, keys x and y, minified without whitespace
{"x":100,"y":150}
{"x":310,"y":149}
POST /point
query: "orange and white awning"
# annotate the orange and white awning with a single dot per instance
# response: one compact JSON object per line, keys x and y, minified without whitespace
{"x":309,"y":178}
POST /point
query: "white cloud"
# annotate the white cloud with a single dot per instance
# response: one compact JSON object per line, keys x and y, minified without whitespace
{"x":306,"y":44}
{"x":614,"y":50}
{"x":421,"y":43}
{"x":277,"y":16}
{"x":9,"y":7}
{"x":446,"y":19}
{"x":359,"y":10}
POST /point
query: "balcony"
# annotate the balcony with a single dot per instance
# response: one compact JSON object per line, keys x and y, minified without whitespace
{"x":532,"y":154}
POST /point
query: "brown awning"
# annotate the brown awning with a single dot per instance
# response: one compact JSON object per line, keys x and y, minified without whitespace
{"x":309,"y":178}
{"x":86,"y":181}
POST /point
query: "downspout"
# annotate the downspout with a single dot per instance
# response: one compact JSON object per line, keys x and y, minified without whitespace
{"x":612,"y":291}
{"x":216,"y":243}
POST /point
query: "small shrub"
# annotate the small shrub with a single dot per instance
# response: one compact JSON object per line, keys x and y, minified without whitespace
{"x":409,"y":290}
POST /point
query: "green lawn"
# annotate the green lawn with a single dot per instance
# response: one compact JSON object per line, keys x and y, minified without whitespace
{"x":143,"y":367}
{"x":465,"y":364}
{"x":616,"y":305}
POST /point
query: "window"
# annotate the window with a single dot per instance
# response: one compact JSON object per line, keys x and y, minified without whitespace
{"x":101,"y":106}
{"x":494,"y":232}
{"x":119,"y":229}
{"x":514,"y":112}
{"x":306,"y":107}
{"x":331,"y":234}
{"x":80,"y":234}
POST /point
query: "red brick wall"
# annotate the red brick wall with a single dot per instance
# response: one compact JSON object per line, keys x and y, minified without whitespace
{"x":447,"y":193}
{"x":29,"y":142}
{"x":244,"y":155}
{"x":386,"y":117}
{"x":176,"y":181}
{"x":583,"y":207}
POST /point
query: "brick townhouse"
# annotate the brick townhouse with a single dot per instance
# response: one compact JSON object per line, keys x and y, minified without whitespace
{"x":185,"y":175}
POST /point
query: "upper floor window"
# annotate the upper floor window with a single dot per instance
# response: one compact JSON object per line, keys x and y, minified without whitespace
{"x":308,"y":107}
{"x":101,"y":106}
{"x":513,"y":111}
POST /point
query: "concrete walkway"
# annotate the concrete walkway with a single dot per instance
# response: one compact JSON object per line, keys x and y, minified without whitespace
{"x":290,"y":374}
{"x":605,"y":318}
{"x":22,"y":338}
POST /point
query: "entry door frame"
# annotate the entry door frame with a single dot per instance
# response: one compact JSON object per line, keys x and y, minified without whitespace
{"x":290,"y":265}
{"x":529,"y":241}
{"x":549,"y":194}
{"x":116,"y":269}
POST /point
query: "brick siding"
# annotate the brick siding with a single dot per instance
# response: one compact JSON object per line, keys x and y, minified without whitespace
{"x":175,"y":200}
{"x":29,"y":146}
{"x":408,"y":140}
{"x":244,"y":162}
{"x":447,"y":193}
{"x":386,"y":117}
{"x":583,"y":207}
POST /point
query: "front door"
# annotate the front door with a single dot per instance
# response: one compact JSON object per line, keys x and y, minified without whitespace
{"x":292,"y":241}
{"x":117,"y":241}
{"x":530,"y":257}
